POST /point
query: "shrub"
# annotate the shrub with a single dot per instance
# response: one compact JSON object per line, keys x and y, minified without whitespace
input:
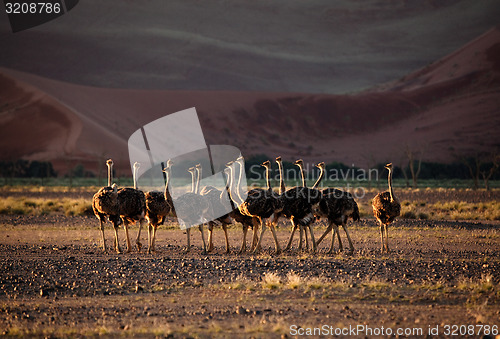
{"x":409,"y":215}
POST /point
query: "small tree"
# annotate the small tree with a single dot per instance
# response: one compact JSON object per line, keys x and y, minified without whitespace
{"x":482,"y":164}
{"x":488,"y":173}
{"x":414,"y":165}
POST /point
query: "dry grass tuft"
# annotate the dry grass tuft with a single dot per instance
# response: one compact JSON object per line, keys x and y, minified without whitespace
{"x":271,"y":281}
{"x":40,"y":206}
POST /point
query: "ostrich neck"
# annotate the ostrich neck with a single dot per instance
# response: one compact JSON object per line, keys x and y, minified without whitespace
{"x":238,"y":188}
{"x":232,"y":184}
{"x":192,"y":182}
{"x":302,"y":174}
{"x":282,"y":180}
{"x":268,"y":180}
{"x":135,"y":177}
{"x":110,"y":174}
{"x":391,"y":191}
{"x":166,"y":193}
{"x":321,"y":175}
{"x":198,"y":172}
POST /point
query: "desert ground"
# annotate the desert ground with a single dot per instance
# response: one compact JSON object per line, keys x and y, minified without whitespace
{"x":55,"y":281}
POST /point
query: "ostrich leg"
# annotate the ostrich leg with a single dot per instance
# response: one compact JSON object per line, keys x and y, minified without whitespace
{"x":200,"y":227}
{"x":188,"y":231}
{"x":382,"y":236}
{"x":210,"y":235}
{"x":290,"y":239}
{"x":307,"y":240}
{"x":153,"y":238}
{"x":244,"y":242}
{"x":117,"y":242}
{"x":328,"y":229}
{"x":103,"y":239}
{"x":257,"y":246}
{"x":334,"y":230}
{"x":255,"y":237}
{"x":129,"y":245}
{"x":312,"y":238}
{"x":224,"y":227}
{"x":351,"y":246}
{"x":150,"y":239}
{"x":301,"y":236}
{"x":276,"y":243}
{"x":137,"y":240}
{"x":386,"y":238}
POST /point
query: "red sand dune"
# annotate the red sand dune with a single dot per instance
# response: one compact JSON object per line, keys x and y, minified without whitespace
{"x":448,"y":108}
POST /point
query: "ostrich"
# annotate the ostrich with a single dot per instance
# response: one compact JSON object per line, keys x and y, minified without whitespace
{"x":337,"y":206}
{"x":215,"y":198}
{"x":261,"y":204}
{"x":300,"y":164}
{"x":386,"y":208}
{"x":132,"y":208}
{"x":298,"y":203}
{"x":245,"y":220}
{"x":105,"y":205}
{"x":192,"y":207}
{"x":158,"y":207}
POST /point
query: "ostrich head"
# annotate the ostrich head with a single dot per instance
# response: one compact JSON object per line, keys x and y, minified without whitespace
{"x":266,"y":163}
{"x":278,"y":159}
{"x":389,"y":166}
{"x":167,"y":166}
{"x":299,"y":162}
{"x":109,"y":162}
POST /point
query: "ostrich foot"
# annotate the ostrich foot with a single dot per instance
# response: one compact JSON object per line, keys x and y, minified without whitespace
{"x":139,"y":246}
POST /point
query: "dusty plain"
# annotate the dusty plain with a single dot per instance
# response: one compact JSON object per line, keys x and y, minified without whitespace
{"x":55,"y":281}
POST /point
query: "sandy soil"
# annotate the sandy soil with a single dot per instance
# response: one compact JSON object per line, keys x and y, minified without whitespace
{"x":55,"y":281}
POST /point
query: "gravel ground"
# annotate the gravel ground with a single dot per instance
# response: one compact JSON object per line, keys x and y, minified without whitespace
{"x":56,"y":281}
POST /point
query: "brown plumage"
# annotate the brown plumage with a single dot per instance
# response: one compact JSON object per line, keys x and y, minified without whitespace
{"x":386,"y":208}
{"x":261,"y":204}
{"x":105,"y":206}
{"x":245,"y":220}
{"x":337,"y":206}
{"x":298,"y":203}
{"x":158,"y":207}
{"x":132,"y":208}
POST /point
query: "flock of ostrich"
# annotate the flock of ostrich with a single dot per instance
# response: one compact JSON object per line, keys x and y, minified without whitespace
{"x":257,"y":208}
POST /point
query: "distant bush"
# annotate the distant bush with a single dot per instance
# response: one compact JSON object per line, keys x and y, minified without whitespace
{"x":409,"y":215}
{"x":26,"y":169}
